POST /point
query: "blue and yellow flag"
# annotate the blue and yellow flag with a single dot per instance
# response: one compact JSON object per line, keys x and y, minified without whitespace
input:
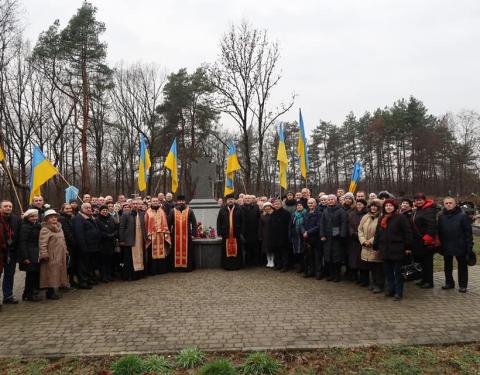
{"x":42,"y":171}
{"x":356,"y":175}
{"x":172,"y":163}
{"x":302,"y":148}
{"x":232,"y":166}
{"x":282,"y":158}
{"x":144,"y":165}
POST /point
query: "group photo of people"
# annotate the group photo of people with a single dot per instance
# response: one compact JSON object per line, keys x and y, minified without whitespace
{"x":365,"y":239}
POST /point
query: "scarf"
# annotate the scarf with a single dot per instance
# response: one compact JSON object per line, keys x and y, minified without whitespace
{"x":385,"y":219}
{"x":298,"y":219}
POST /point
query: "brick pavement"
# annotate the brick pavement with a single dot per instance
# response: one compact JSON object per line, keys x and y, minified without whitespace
{"x":245,"y":310}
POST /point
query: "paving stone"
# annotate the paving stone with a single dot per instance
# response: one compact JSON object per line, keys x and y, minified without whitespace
{"x":243,"y":310}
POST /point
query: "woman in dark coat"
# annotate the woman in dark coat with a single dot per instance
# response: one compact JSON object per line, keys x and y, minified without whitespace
{"x":264,"y":233}
{"x":313,"y":250}
{"x":29,"y":254}
{"x":108,"y":230}
{"x":393,"y":238}
{"x":455,"y":232}
{"x":295,"y":235}
{"x":353,"y":245}
{"x":424,"y":226}
{"x":333,"y":231}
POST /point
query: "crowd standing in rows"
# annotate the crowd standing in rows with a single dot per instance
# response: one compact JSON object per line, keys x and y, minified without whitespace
{"x":363,"y":239}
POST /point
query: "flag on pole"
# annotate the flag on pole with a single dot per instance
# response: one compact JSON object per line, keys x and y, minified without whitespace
{"x":2,"y":154}
{"x":71,"y":193}
{"x":144,"y":165}
{"x":232,"y":166}
{"x":356,"y":175}
{"x":42,"y":171}
{"x":302,"y":148}
{"x":282,"y":158}
{"x":172,"y":163}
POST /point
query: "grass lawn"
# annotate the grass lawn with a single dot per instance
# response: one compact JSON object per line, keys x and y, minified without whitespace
{"x":452,"y":359}
{"x":438,"y":259}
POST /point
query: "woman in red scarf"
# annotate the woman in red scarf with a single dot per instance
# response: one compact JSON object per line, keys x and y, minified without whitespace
{"x":394,"y":240}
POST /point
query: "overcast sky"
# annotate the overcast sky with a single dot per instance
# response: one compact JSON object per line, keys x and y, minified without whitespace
{"x":336,"y":55}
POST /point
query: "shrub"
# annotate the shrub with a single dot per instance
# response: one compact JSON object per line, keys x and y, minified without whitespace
{"x":218,"y":367}
{"x":128,"y":365}
{"x":158,"y":365}
{"x":260,"y":364}
{"x":190,"y":358}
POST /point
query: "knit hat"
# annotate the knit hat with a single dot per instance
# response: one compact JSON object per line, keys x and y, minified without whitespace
{"x":30,"y":212}
{"x":267,"y":204}
{"x":349,"y":195}
{"x":362,"y":201}
{"x":391,"y":201}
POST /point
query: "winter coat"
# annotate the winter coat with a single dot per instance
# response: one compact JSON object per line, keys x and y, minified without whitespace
{"x":53,"y":256}
{"x":107,"y":227}
{"x":393,"y":240}
{"x":366,"y":232}
{"x":291,"y":206}
{"x":86,"y":234}
{"x":424,"y":225}
{"x":264,"y":233}
{"x":11,"y":226}
{"x":333,"y":226}
{"x":251,"y":218}
{"x":28,"y":245}
{"x":455,"y":232}
{"x":279,"y":223}
{"x":295,"y":234}
{"x":67,"y":227}
{"x":223,"y":222}
{"x":311,"y":224}
{"x":353,"y":244}
{"x":127,"y":228}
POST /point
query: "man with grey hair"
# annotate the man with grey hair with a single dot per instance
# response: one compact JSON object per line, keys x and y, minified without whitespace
{"x":168,"y":204}
{"x":87,"y":238}
{"x":10,"y":225}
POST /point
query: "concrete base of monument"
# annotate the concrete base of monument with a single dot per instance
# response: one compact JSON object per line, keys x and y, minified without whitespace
{"x":208,"y":252}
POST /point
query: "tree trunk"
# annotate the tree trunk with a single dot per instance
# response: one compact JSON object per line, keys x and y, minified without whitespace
{"x":83,"y":140}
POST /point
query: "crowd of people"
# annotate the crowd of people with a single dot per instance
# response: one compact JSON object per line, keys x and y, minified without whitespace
{"x":358,"y":238}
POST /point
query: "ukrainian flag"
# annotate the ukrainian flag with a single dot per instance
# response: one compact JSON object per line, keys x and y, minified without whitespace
{"x":282,"y":158}
{"x":302,"y":148}
{"x":356,"y":175}
{"x":42,"y":171}
{"x":232,"y":166}
{"x":144,"y":165}
{"x":172,"y":163}
{"x":2,"y":154}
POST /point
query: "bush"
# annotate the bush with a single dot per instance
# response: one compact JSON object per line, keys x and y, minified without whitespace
{"x":128,"y":365}
{"x":158,"y":365}
{"x":218,"y":367}
{"x":260,"y":364}
{"x":190,"y":358}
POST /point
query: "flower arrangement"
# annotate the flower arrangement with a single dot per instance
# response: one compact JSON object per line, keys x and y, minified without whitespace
{"x":205,"y":232}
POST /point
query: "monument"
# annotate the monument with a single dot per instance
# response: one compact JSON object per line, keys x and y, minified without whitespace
{"x":207,"y":250}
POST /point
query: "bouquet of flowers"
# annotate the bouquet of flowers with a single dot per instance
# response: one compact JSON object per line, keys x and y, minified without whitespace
{"x":205,"y":232}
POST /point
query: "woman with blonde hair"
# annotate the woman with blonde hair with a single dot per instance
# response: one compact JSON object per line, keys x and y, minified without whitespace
{"x":53,"y":255}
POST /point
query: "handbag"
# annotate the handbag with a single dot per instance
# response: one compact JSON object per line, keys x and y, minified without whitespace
{"x":412,"y":271}
{"x":471,"y":258}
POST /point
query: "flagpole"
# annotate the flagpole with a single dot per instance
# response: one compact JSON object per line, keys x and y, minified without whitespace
{"x":5,"y":166}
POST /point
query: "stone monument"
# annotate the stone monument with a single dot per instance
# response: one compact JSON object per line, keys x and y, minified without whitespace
{"x":205,"y":207}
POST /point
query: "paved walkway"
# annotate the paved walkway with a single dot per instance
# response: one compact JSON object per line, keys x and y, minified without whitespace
{"x":244,"y":310}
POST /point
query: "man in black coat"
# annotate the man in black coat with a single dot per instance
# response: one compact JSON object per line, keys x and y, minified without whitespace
{"x":230,"y":226}
{"x":87,"y":238}
{"x":10,"y":224}
{"x":279,"y":241}
{"x":65,"y":219}
{"x":132,"y":237}
{"x":108,"y":231}
{"x":333,"y":232}
{"x":455,"y":232}
{"x":251,"y":219}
